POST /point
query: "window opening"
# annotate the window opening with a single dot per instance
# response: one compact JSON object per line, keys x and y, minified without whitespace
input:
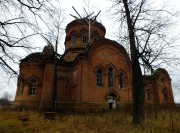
{"x":165,"y":93}
{"x":72,"y":40}
{"x":121,"y":80}
{"x":111,"y":77}
{"x":84,"y":39}
{"x":21,"y":88}
{"x":95,"y":38}
{"x":148,"y":94}
{"x":99,"y":77}
{"x":32,"y":87}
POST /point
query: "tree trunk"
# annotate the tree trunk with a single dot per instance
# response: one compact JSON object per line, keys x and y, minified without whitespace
{"x":138,"y":90}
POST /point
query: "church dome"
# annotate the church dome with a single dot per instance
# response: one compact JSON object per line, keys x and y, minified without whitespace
{"x":81,"y":33}
{"x":85,"y":22}
{"x":33,"y":57}
{"x":48,"y":50}
{"x":47,"y":53}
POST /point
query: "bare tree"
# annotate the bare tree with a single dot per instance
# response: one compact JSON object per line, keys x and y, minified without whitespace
{"x":20,"y":21}
{"x":89,"y":16}
{"x":53,"y":38}
{"x":146,"y":28}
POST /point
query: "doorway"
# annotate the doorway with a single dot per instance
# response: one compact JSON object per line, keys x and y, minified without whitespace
{"x":112,"y":101}
{"x":111,"y":105}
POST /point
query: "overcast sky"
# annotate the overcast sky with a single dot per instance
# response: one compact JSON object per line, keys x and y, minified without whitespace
{"x":111,"y":28}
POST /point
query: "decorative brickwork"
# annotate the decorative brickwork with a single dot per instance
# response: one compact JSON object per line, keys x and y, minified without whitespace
{"x":94,"y":74}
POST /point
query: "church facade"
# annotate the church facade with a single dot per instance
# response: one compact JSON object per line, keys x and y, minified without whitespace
{"x":93,"y":72}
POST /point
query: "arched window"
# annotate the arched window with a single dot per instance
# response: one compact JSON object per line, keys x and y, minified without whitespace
{"x":165,"y":93}
{"x":84,"y":39}
{"x":99,"y":78}
{"x":148,"y":94}
{"x":95,"y":38}
{"x":21,"y":85}
{"x":72,"y":40}
{"x":111,"y":77}
{"x":121,"y":80}
{"x":32,"y":87}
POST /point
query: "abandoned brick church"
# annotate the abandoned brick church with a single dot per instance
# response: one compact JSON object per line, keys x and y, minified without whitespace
{"x":93,"y":72}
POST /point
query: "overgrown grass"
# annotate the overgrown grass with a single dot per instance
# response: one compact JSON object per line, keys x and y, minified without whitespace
{"x":165,"y":121}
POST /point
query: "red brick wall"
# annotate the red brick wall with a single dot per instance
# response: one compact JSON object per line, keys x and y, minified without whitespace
{"x":29,"y":71}
{"x":76,"y":84}
{"x":157,"y":83}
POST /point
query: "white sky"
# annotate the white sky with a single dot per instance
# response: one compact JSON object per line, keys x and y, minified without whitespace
{"x":111,"y":28}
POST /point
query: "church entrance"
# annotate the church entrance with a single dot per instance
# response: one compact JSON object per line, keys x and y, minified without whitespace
{"x":112,"y":101}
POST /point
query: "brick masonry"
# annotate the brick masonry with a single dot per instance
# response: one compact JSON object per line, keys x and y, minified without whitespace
{"x":76,"y":74}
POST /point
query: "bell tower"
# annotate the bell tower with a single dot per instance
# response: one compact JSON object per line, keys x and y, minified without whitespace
{"x":81,"y":33}
{"x":79,"y":36}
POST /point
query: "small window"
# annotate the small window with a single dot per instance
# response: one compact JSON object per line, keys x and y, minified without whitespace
{"x":84,"y":39}
{"x":32,"y":87}
{"x":21,"y":88}
{"x":111,"y":77}
{"x":148,"y":94}
{"x":99,"y":78}
{"x":165,"y":93}
{"x":121,"y":80}
{"x":95,"y":38}
{"x":72,"y":40}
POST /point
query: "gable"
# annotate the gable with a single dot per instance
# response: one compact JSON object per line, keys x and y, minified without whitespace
{"x":106,"y":51}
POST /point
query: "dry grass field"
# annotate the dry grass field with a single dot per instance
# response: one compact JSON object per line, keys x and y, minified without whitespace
{"x":164,"y":121}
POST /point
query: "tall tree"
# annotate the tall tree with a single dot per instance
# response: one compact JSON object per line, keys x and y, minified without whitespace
{"x":138,"y":91}
{"x":147,"y":39}
{"x":53,"y":38}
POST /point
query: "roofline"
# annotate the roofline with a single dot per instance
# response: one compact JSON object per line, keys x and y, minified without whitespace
{"x":77,"y":21}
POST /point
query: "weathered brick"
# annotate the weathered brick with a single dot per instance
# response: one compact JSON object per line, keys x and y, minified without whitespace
{"x":76,"y":75}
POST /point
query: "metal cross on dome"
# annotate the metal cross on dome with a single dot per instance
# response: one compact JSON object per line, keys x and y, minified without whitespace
{"x":89,"y":16}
